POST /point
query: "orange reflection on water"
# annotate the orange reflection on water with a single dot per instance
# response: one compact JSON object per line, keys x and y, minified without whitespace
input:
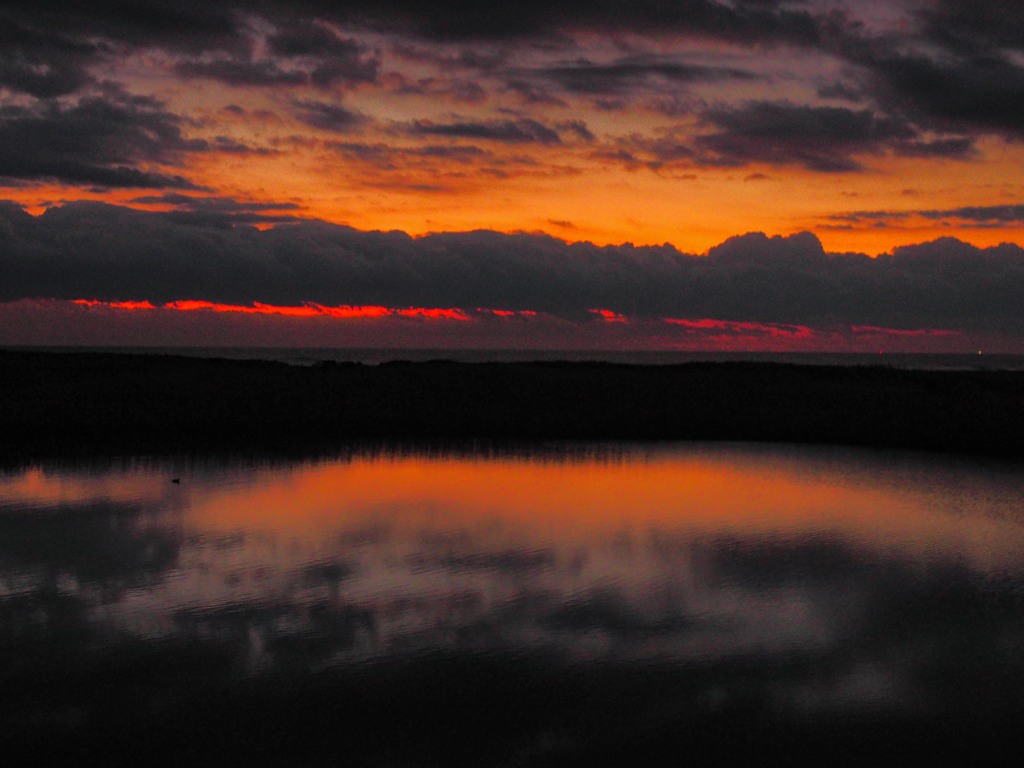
{"x":562,"y":501}
{"x":531,"y":546}
{"x":566,"y":499}
{"x":36,"y":487}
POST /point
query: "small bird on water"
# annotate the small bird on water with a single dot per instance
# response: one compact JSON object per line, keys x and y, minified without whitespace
{"x":176,"y":480}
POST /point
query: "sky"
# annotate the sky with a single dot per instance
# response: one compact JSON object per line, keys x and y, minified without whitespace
{"x":696,"y":174}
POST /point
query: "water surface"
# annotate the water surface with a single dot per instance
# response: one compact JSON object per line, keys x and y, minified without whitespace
{"x":577,"y":604}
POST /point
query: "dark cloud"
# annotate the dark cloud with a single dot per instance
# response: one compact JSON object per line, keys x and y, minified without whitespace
{"x":343,"y":63}
{"x":307,"y":39}
{"x":671,"y":104}
{"x":96,"y":251}
{"x":220,"y":211}
{"x":533,"y":93}
{"x":457,"y":89}
{"x":971,"y":28}
{"x":579,"y":129}
{"x":521,"y":131}
{"x":485,"y":57}
{"x":296,"y":53}
{"x":627,"y":75}
{"x":411,"y":168}
{"x":224,"y":204}
{"x":110,"y":139}
{"x":465,"y":91}
{"x":476,"y":19}
{"x":824,"y":139}
{"x":952,"y":67}
{"x":327,"y":116}
{"x":562,"y":223}
{"x":818,"y":138}
{"x":242,"y":72}
{"x":232,"y":146}
{"x":40,"y":63}
{"x":191,"y":25}
{"x":637,"y":151}
{"x":429,"y":167}
{"x":950,"y":148}
{"x":968,"y":73}
{"x":841,"y":92}
{"x":979,"y":93}
{"x":187,"y":26}
{"x":982,"y":215}
{"x":48,"y":48}
{"x":333,"y":59}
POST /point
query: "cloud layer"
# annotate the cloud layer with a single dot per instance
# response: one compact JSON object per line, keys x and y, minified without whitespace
{"x":925,"y":80}
{"x":108,"y":253}
{"x":872,"y":123}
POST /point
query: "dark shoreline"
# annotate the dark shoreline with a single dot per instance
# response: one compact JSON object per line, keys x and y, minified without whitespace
{"x":96,"y":404}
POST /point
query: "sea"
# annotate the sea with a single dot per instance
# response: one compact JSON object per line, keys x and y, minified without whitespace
{"x":575,"y":605}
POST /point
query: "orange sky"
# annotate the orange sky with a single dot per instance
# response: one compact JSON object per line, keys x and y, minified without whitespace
{"x":573,"y":196}
{"x":509,"y":131}
{"x":873,"y":125}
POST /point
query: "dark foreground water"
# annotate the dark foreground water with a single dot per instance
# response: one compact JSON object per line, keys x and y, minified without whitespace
{"x":587,"y":605}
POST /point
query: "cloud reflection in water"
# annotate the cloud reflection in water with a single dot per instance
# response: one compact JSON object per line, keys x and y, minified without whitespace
{"x":661,"y":585}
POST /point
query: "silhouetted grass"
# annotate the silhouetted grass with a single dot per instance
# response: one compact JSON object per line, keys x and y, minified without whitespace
{"x":60,"y":404}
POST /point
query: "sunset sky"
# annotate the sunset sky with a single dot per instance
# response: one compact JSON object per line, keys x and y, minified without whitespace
{"x":557,"y":174}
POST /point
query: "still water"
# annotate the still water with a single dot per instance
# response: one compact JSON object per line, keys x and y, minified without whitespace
{"x":569,"y":605}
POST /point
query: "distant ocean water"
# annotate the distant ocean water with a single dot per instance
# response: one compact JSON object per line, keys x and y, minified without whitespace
{"x":309,"y":356}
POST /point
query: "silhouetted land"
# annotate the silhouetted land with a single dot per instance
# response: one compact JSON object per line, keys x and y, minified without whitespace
{"x":68,"y":404}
